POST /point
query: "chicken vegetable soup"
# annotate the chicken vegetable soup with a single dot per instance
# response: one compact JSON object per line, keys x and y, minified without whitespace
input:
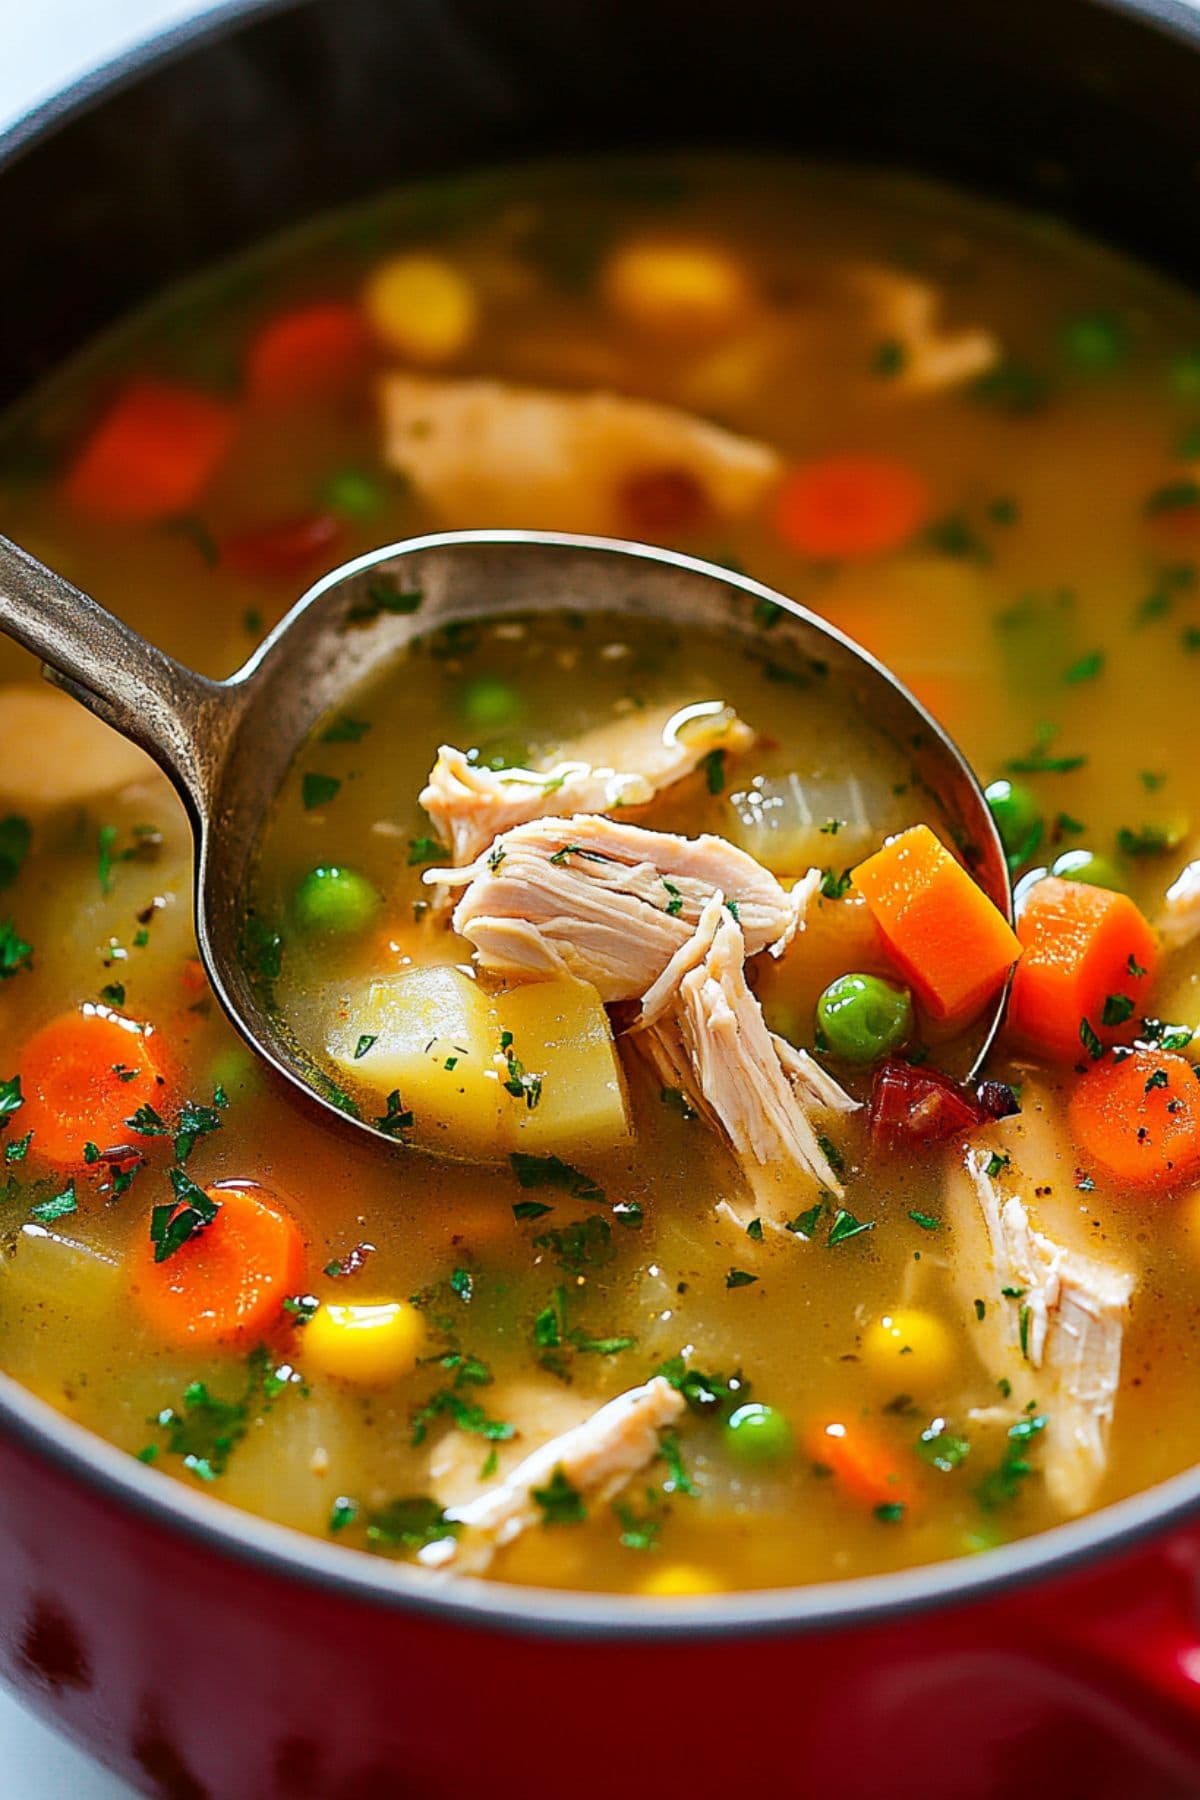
{"x":700,"y":1257}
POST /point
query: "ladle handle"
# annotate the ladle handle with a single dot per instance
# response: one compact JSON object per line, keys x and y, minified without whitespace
{"x":174,"y":714}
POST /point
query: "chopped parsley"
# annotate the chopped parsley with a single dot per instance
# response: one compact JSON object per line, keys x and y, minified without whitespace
{"x":1148,"y":840}
{"x":677,"y":1101}
{"x":805,"y":1224}
{"x":890,"y":1512}
{"x":846,"y":1226}
{"x":16,"y":835}
{"x":925,"y":1220}
{"x":318,"y":790}
{"x":941,"y":1448}
{"x":58,"y":1206}
{"x":997,"y":1162}
{"x":520,"y":1084}
{"x":737,"y":1278}
{"x":1117,"y":1009}
{"x":835,"y":886}
{"x":397,"y":1117}
{"x":364,"y":1044}
{"x":175,"y":1222}
{"x":678,"y":1481}
{"x":714,"y":771}
{"x":551,"y":1171}
{"x":559,"y":1501}
{"x":1004,"y":1483}
{"x":15,"y":953}
{"x":674,"y":900}
{"x":407,"y":1525}
{"x":1090,"y":1041}
{"x":584,"y":1244}
{"x":639,"y":1531}
{"x":426,"y":850}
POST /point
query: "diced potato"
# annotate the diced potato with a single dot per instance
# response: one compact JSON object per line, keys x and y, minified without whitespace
{"x":50,"y":1266}
{"x":435,"y":1040}
{"x":55,"y":753}
{"x":561,"y":1033}
{"x":677,"y":287}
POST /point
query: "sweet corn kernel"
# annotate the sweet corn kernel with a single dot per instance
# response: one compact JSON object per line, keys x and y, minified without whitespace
{"x":910,"y":1345}
{"x":421,"y":307}
{"x":676,"y":287}
{"x":677,"y":1580}
{"x":371,"y":1342}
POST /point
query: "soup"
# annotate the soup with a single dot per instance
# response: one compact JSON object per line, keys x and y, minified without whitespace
{"x":695,"y":1263}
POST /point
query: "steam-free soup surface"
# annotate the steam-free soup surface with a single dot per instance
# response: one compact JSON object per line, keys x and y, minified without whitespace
{"x":968,"y":440}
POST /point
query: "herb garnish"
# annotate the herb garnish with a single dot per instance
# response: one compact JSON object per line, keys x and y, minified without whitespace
{"x":317,"y":790}
{"x":560,"y":1502}
{"x":1004,"y":1483}
{"x":551,"y":1171}
{"x":835,"y":886}
{"x":176,"y":1221}
{"x":426,"y":850}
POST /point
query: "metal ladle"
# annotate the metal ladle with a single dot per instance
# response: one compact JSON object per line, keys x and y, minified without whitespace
{"x":227,"y":745}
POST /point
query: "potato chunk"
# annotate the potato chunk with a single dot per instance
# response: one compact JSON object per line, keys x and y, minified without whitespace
{"x":435,"y":1040}
{"x":53,"y":753}
{"x":560,"y":1031}
{"x":533,"y":1068}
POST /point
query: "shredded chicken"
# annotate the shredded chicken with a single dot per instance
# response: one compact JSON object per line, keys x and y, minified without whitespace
{"x":621,"y":764}
{"x":606,"y":902}
{"x":597,"y":1457}
{"x":1179,"y":920}
{"x":488,"y":453}
{"x":904,"y":312}
{"x":704,"y":1033}
{"x":1056,"y":1333}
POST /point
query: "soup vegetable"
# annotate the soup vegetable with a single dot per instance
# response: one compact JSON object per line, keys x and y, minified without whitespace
{"x":694,"y":1264}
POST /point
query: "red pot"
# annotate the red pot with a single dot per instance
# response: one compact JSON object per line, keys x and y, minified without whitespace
{"x":203,"y":1653}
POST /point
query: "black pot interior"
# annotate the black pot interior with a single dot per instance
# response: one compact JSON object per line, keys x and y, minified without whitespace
{"x":280,"y":111}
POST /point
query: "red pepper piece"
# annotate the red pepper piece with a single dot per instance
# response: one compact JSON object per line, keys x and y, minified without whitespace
{"x":283,"y":548}
{"x":913,"y":1106}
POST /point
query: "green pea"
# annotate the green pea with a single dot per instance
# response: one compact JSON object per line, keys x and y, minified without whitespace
{"x":1018,"y":819}
{"x":1096,"y":342}
{"x":861,"y":1017}
{"x":353,"y":494}
{"x":490,"y":704}
{"x":758,"y":1434}
{"x":336,"y":900}
{"x":1087,"y":866}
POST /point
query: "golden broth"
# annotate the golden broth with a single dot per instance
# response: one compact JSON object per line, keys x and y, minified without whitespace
{"x":1040,"y":592}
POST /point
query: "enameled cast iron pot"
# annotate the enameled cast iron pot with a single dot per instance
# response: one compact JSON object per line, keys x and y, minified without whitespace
{"x":205,"y":1654}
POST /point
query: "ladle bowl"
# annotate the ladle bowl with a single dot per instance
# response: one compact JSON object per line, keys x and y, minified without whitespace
{"x":227,"y":745}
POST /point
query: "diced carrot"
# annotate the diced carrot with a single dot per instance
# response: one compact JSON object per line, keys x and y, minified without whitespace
{"x":863,"y":1466}
{"x":952,"y":943}
{"x":227,"y":1284}
{"x":850,"y":506}
{"x":152,"y":454}
{"x":282,"y":548}
{"x":82,"y":1076}
{"x":1083,"y":947}
{"x":310,"y":350}
{"x":1136,"y":1117}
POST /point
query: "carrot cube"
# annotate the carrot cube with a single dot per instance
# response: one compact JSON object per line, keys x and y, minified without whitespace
{"x":951,"y":942}
{"x":1088,"y":954}
{"x":152,"y":454}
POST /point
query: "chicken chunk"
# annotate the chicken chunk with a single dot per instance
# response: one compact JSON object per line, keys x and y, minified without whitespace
{"x":1053,"y":1324}
{"x":617,"y":765}
{"x":904,"y":312}
{"x":704,"y":1033}
{"x":605,"y":902}
{"x":596,"y":1457}
{"x":488,"y":453}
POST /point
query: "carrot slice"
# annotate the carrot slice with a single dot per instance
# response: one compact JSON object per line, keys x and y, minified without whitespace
{"x":1137,"y":1117}
{"x":82,"y":1076}
{"x":227,"y":1284}
{"x":864,"y":1466}
{"x":152,"y":454}
{"x":310,"y":350}
{"x":1087,"y":952}
{"x":952,"y":943}
{"x":850,"y":506}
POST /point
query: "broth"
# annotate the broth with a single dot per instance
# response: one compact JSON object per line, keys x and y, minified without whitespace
{"x":1042,"y":400}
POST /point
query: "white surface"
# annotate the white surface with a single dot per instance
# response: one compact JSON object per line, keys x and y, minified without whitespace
{"x":44,"y":44}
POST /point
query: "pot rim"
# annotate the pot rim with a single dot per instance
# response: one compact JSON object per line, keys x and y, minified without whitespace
{"x":279,"y":1551}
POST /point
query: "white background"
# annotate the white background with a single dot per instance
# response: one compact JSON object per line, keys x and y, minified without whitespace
{"x":43,"y":45}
